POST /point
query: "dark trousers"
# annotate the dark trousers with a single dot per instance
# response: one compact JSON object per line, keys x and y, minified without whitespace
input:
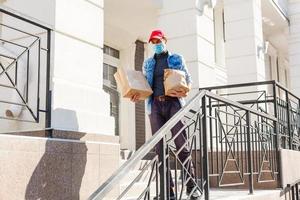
{"x":161,"y":112}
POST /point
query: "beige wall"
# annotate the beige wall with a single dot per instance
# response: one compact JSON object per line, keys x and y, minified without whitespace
{"x":40,"y":168}
{"x":243,"y":64}
{"x":294,"y":45}
{"x":290,"y":162}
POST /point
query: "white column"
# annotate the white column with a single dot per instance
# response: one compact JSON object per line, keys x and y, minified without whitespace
{"x":78,"y":101}
{"x":243,"y":26}
{"x":192,"y":35}
{"x":294,"y":45}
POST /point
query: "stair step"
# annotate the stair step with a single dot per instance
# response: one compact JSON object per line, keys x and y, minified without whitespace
{"x":131,"y":175}
{"x":139,"y":165}
{"x":137,"y":189}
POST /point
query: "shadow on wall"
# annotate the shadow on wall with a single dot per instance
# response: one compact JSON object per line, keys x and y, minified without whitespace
{"x":59,"y":173}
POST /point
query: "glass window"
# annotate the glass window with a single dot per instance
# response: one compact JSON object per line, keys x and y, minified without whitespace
{"x":111,"y":51}
{"x":105,"y":72}
{"x":106,"y":50}
{"x":112,"y":71}
{"x":108,"y":75}
{"x":114,"y":106}
{"x":110,"y":85}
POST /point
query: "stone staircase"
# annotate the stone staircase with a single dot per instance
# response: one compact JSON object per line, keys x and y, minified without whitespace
{"x":135,"y":173}
{"x":217,"y":193}
{"x":143,"y":178}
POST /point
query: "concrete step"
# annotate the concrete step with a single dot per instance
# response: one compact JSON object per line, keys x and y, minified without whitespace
{"x":131,"y":175}
{"x":137,"y":189}
{"x":235,"y":194}
{"x":140,"y":165}
{"x":225,"y":194}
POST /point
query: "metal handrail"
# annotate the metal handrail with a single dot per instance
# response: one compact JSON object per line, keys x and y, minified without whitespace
{"x":142,"y":151}
{"x":294,"y":183}
{"x":282,"y":11}
{"x":239,"y":105}
{"x":238,"y":85}
{"x":294,"y":187}
{"x":281,"y":99}
{"x":108,"y":185}
{"x":272,"y":82}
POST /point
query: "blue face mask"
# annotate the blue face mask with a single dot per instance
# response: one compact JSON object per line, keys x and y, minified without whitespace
{"x":159,"y":48}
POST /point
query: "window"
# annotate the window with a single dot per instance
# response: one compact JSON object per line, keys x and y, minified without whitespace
{"x":109,"y":82}
{"x":108,"y":76}
{"x":114,"y":106}
{"x":111,"y":52}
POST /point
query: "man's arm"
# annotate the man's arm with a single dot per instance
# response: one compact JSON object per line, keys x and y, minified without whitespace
{"x":188,"y":76}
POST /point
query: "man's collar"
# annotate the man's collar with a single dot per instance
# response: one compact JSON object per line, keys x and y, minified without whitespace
{"x":169,"y":54}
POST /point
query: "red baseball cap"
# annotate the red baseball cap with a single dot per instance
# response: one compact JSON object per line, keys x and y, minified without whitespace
{"x":156,"y":34}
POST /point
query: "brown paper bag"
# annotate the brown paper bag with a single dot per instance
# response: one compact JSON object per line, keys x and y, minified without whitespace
{"x":131,"y":82}
{"x":174,"y":81}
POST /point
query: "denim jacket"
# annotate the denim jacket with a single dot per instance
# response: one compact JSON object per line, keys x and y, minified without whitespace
{"x":175,"y":61}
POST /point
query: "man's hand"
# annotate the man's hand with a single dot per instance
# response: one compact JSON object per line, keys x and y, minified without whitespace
{"x":180,"y":93}
{"x":135,"y":98}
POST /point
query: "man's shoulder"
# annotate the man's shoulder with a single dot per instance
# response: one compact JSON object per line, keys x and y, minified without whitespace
{"x":176,"y":59}
{"x":149,"y":62}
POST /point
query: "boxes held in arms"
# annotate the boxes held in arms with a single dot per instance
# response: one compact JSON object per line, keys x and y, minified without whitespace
{"x":175,"y":82}
{"x":131,"y":82}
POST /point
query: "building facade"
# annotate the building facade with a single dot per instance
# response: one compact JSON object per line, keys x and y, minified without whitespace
{"x":58,"y":57}
{"x":223,"y":42}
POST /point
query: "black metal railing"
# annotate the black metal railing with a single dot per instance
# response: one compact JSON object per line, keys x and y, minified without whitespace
{"x":282,"y":6}
{"x":243,"y":146}
{"x":272,"y":98}
{"x":292,"y":190}
{"x":25,"y":48}
{"x":223,"y":138}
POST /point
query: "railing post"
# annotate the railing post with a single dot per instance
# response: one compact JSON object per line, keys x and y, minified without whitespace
{"x":297,"y":191}
{"x":48,"y":91}
{"x":163,"y":169}
{"x":276,"y":129}
{"x":250,"y":169}
{"x":278,"y":136}
{"x":277,"y":149}
{"x":288,"y":119}
{"x":205,"y":149}
{"x":275,"y":100}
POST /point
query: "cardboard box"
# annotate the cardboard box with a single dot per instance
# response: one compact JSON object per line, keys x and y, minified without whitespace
{"x":174,"y":81}
{"x":131,"y":82}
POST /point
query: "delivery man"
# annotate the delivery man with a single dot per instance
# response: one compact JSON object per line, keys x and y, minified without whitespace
{"x":160,"y":107}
